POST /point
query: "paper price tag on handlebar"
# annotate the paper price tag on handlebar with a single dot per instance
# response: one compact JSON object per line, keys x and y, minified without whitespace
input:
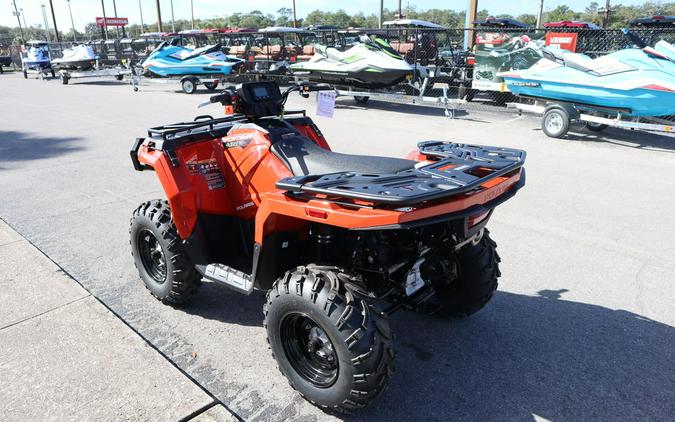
{"x":325,"y":103}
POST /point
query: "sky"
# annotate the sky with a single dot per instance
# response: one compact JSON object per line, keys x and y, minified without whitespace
{"x":84,"y":11}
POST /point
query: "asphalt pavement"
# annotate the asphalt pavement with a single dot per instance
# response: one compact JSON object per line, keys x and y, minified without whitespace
{"x":582,"y":325}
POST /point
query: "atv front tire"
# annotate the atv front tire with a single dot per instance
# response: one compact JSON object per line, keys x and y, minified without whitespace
{"x":159,"y":256}
{"x":476,"y":281}
{"x":333,"y":348}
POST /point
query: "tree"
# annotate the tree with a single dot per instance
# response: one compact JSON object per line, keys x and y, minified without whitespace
{"x":527,"y":18}
{"x":284,"y":17}
{"x":561,"y":13}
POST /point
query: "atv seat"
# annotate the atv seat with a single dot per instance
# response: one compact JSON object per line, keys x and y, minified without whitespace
{"x":305,"y":158}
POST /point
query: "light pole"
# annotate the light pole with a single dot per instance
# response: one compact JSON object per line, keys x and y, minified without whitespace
{"x":18,"y":19}
{"x":117,"y":30}
{"x":104,"y":28}
{"x":140,"y":8}
{"x":44,"y":17}
{"x":379,"y":22}
{"x":295,"y":19}
{"x":173,"y":24}
{"x":72,"y":22}
{"x":23,"y":16}
{"x":606,"y":12}
{"x":192,"y":13}
{"x":56,"y":29}
{"x":540,"y":16}
{"x":159,"y":16}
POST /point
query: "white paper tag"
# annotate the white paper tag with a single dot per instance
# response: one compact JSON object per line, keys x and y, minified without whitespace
{"x":325,"y":103}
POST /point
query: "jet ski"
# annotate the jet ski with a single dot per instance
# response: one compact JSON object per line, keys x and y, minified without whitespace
{"x":368,"y":64}
{"x":78,"y":57}
{"x":171,"y":59}
{"x":633,"y":82}
{"x":36,"y":57}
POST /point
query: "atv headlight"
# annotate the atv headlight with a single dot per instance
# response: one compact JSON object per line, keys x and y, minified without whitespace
{"x":409,"y":76}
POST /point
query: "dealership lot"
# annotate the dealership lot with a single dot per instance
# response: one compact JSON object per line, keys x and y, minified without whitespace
{"x":582,"y":325}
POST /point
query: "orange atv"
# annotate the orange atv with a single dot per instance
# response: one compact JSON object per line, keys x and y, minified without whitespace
{"x":257,"y":200}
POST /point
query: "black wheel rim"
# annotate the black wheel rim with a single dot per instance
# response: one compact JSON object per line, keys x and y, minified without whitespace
{"x":309,"y":350}
{"x":152,"y":256}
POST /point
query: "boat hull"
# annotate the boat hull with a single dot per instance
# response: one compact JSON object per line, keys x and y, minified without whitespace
{"x":360,"y":79}
{"x":635,"y":102}
{"x":74,"y":64}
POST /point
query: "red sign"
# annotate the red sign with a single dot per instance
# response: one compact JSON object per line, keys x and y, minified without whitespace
{"x":112,"y":21}
{"x":564,"y":40}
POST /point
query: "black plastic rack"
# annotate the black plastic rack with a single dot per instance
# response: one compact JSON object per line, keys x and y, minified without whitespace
{"x":460,"y":168}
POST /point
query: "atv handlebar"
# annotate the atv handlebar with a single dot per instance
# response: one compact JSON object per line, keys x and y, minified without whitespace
{"x":229,"y":95}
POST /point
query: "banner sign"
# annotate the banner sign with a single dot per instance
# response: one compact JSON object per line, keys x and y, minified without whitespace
{"x":563,"y":40}
{"x":112,"y":21}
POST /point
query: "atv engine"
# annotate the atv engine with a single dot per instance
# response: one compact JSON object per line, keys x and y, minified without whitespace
{"x":397,"y":266}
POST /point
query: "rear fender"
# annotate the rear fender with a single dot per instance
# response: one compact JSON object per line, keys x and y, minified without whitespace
{"x":192,"y":179}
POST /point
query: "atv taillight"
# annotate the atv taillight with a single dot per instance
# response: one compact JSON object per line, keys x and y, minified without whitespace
{"x":229,"y":109}
{"x":472,"y":220}
{"x":316,"y":213}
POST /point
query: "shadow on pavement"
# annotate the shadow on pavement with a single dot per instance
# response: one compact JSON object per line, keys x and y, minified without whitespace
{"x":419,"y":110}
{"x":217,"y":302}
{"x":625,"y":138}
{"x":18,"y":146}
{"x":520,"y":356}
{"x":525,"y":356}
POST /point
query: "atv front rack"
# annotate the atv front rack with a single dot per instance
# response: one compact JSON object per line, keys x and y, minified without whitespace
{"x":459,"y":168}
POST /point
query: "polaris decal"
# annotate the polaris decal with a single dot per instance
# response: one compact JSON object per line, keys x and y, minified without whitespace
{"x":244,"y":206}
{"x":239,"y":141}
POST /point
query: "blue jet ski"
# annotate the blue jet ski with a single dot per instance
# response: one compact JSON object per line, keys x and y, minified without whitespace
{"x":172,"y":60}
{"x":633,"y":82}
{"x":36,"y":58}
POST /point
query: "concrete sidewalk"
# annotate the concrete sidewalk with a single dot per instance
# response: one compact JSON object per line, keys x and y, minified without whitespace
{"x":65,"y":356}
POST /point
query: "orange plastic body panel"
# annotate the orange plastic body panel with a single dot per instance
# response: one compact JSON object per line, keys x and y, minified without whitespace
{"x":244,"y":162}
{"x":187,"y":190}
{"x":327,"y":212}
{"x":246,"y":188}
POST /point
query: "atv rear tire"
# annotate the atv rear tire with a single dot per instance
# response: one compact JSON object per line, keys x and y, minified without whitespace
{"x":159,"y":256}
{"x":476,"y":283}
{"x":332,"y":347}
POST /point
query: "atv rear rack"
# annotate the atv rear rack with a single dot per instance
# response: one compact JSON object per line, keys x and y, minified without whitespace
{"x":460,"y":169}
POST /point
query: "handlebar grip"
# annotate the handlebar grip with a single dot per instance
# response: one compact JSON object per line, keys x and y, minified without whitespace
{"x":224,"y":98}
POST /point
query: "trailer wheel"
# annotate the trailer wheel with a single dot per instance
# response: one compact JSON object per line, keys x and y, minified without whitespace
{"x":595,"y":127}
{"x":64,"y":79}
{"x":53,"y":74}
{"x":333,"y":348}
{"x":211,"y":86}
{"x":25,"y":74}
{"x":189,"y":85}
{"x":361,"y":99}
{"x":119,"y":77}
{"x":556,"y":122}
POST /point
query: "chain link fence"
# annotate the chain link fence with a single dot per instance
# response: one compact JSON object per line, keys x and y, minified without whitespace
{"x":443,"y":67}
